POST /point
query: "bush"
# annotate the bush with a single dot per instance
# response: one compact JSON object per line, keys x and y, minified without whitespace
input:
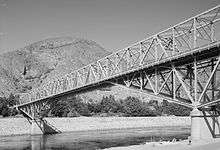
{"x":5,"y":103}
{"x":73,"y":113}
{"x":175,"y":109}
{"x":65,"y":107}
{"x":93,"y":107}
{"x":134,"y":107}
{"x":108,"y":106}
{"x":60,"y":108}
{"x":79,"y":106}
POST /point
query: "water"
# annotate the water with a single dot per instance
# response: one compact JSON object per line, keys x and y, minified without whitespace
{"x":92,"y":140}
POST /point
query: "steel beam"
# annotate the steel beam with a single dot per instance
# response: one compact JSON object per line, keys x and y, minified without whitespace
{"x":190,"y":38}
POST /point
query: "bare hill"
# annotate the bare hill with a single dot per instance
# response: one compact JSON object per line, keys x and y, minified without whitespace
{"x":29,"y":67}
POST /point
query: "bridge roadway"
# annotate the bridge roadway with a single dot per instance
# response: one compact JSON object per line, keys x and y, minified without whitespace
{"x":179,"y":64}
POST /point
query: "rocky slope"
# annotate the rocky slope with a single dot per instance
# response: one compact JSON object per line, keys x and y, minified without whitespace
{"x":29,"y":67}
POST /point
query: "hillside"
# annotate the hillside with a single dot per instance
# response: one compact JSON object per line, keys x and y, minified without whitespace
{"x":29,"y":67}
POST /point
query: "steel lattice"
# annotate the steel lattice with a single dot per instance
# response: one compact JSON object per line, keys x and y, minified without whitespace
{"x":179,"y":64}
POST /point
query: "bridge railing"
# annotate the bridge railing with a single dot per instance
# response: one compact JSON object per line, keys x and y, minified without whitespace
{"x":184,"y":37}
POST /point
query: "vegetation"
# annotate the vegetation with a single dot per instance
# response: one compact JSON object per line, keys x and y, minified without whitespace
{"x":70,"y":107}
{"x":108,"y":106}
{"x":175,"y":109}
{"x":5,"y":104}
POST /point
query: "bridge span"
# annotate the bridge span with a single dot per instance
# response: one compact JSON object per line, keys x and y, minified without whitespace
{"x":179,"y":64}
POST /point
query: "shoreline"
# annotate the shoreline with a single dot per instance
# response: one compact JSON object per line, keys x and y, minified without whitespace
{"x":212,"y":144}
{"x":104,"y":130}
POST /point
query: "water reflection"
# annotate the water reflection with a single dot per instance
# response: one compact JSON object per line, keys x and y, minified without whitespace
{"x":92,"y":140}
{"x":38,"y":142}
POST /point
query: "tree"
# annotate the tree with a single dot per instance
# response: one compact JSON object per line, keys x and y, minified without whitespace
{"x":109,"y":104}
{"x":134,"y":107}
{"x":78,"y":104}
{"x":69,"y":106}
{"x":157,"y":109}
{"x":5,"y":103}
{"x":60,"y":108}
{"x":73,"y":113}
{"x":175,"y":109}
{"x":94,"y":107}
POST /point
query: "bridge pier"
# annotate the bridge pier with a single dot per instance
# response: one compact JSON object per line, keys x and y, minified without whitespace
{"x":204,"y":125}
{"x":39,"y":126}
{"x":36,"y":127}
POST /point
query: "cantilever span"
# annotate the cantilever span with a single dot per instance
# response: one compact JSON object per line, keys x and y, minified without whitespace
{"x":180,"y":64}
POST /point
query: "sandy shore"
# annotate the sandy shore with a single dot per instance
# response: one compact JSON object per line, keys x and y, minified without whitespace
{"x":15,"y":126}
{"x":213,"y":144}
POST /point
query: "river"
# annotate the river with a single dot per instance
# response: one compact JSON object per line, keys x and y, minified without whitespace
{"x":92,"y":140}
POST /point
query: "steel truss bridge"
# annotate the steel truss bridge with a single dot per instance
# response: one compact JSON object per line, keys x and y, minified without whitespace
{"x":179,"y":64}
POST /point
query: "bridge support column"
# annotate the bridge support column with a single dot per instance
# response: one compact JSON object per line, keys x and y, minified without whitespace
{"x":39,"y":126}
{"x":204,"y":125}
{"x":36,"y":127}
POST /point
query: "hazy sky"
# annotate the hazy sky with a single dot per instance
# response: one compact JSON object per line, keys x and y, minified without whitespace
{"x":114,"y":24}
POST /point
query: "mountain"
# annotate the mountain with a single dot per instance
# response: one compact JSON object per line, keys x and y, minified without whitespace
{"x":29,"y":67}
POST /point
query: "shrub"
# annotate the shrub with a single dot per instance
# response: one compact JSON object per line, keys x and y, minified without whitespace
{"x":175,"y":109}
{"x":78,"y":104}
{"x":60,"y":108}
{"x":134,"y":107}
{"x":65,"y":107}
{"x":109,"y":104}
{"x":5,"y":103}
{"x":93,"y":107}
{"x":73,"y":113}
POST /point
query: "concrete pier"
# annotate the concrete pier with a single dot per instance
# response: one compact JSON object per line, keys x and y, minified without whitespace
{"x":195,"y":124}
{"x":204,"y":125}
{"x":36,"y":127}
{"x":42,"y":127}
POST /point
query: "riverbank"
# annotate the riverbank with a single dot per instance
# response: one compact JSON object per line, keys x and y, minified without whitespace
{"x":213,"y":144}
{"x":20,"y":126}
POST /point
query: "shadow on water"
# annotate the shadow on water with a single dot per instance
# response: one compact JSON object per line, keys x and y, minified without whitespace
{"x":92,"y":140}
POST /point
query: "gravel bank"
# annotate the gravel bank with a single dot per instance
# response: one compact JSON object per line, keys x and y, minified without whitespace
{"x":16,"y":126}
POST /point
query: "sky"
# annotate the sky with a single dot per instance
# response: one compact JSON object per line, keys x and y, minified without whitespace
{"x":114,"y":24}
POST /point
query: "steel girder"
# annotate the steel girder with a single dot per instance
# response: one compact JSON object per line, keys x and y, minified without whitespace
{"x":172,"y":78}
{"x":195,"y":84}
{"x":34,"y":110}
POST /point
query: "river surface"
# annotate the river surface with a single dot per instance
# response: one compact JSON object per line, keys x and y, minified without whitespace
{"x":92,"y":140}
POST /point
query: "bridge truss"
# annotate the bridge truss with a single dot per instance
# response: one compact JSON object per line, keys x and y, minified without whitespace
{"x":179,"y":64}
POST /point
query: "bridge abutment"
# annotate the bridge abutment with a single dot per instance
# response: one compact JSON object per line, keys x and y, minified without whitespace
{"x":204,"y":125}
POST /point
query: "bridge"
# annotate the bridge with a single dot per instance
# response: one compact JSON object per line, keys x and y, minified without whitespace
{"x":179,"y":64}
